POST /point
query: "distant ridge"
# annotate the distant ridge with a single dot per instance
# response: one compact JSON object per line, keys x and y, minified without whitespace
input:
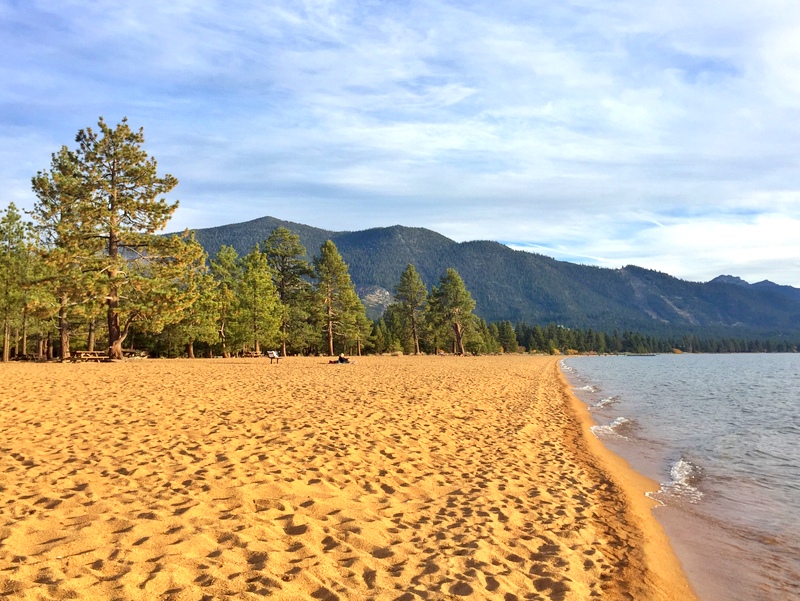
{"x":730,"y":279}
{"x":516,"y":285}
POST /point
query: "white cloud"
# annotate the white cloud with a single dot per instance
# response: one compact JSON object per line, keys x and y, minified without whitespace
{"x":756,"y":247}
{"x":576,"y":126}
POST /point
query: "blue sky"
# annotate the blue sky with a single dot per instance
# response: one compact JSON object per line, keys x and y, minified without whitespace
{"x":601,"y":132}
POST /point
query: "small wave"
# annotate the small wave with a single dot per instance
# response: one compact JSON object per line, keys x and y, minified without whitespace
{"x":566,"y":367}
{"x":589,"y":388}
{"x":605,"y":402}
{"x":616,"y":429}
{"x":682,"y":488}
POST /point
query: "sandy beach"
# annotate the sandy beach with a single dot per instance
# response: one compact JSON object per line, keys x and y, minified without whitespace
{"x":391,"y":478}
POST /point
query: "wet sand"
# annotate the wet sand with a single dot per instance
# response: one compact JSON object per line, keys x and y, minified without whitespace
{"x":391,"y":478}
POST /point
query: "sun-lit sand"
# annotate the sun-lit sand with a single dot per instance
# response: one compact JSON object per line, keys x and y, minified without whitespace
{"x":393,"y":478}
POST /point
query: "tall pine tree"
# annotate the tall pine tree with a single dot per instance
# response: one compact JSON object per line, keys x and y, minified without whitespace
{"x":15,"y":251}
{"x":412,"y":296}
{"x":258,"y":299}
{"x":343,"y":313}
{"x":226,"y":269}
{"x":286,"y":258}
{"x":451,"y":304}
{"x":142,"y":277}
{"x":63,"y":242}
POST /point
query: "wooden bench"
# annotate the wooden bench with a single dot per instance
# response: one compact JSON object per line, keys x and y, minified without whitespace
{"x":89,"y":356}
{"x":273,"y":355}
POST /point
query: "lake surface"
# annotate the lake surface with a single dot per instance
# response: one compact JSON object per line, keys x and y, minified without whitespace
{"x":721,"y":433}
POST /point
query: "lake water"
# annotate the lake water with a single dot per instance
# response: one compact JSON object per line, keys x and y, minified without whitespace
{"x":721,"y":433}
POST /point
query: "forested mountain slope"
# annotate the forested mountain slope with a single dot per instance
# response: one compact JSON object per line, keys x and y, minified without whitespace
{"x":521,"y":286}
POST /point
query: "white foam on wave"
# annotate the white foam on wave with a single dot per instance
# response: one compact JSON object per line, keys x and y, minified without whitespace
{"x":566,"y":367}
{"x":605,"y":402}
{"x":682,"y":488}
{"x":589,"y":388}
{"x":612,"y":430}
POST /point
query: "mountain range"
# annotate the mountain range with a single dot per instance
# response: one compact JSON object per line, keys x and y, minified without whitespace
{"x":519,"y":286}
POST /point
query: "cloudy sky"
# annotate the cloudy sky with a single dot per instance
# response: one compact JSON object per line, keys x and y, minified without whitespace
{"x":605,"y":132}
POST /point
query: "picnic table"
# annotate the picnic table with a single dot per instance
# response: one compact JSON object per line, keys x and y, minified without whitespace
{"x":130,"y":353}
{"x":89,"y":356}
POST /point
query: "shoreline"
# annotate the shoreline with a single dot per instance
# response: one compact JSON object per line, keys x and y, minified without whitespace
{"x":394,"y":477}
{"x":658,"y":547}
{"x":716,"y":435}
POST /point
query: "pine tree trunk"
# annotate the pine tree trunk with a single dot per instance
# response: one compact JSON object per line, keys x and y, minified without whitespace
{"x":63,"y":330}
{"x":330,"y":331}
{"x":459,"y":338}
{"x":24,"y":332}
{"x":6,"y":340}
{"x":115,"y":339}
{"x":223,"y":340}
{"x":415,"y":335}
{"x":114,"y":336}
{"x":190,"y":350}
{"x":92,"y":332}
{"x":255,"y":320}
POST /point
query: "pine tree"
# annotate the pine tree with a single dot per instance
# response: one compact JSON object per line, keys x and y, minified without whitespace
{"x":539,"y":339}
{"x":259,"y":299}
{"x":226,"y":270}
{"x":507,"y":337}
{"x":64,"y":246}
{"x":142,"y":277}
{"x":199,"y":321}
{"x":482,"y":338}
{"x":344,"y":316}
{"x":286,"y":258}
{"x":412,"y":296}
{"x":355,"y":325}
{"x":394,"y":332}
{"x":451,"y":304}
{"x":493,"y":339}
{"x":379,"y":336}
{"x":15,"y":253}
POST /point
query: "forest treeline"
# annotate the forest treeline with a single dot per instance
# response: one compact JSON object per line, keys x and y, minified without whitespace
{"x":91,"y":270}
{"x":522,"y":286}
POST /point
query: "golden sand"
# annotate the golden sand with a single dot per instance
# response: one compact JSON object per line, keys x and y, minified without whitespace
{"x":393,"y":478}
